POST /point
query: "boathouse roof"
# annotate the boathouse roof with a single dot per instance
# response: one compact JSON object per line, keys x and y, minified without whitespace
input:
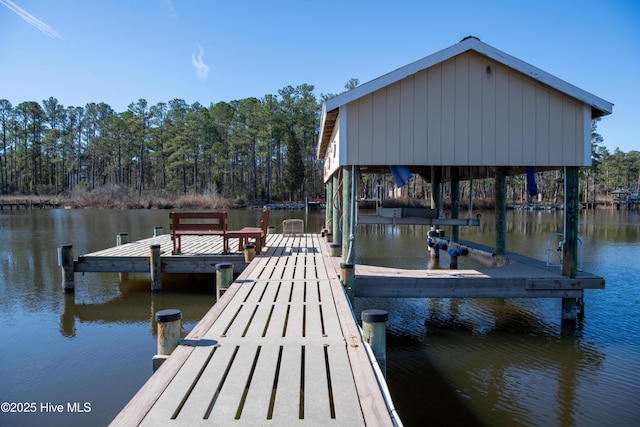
{"x":467,"y":105}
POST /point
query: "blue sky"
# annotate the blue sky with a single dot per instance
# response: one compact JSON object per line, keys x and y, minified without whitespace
{"x":118,"y":51}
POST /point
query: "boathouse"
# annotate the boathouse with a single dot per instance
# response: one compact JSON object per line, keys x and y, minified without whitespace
{"x":467,"y":111}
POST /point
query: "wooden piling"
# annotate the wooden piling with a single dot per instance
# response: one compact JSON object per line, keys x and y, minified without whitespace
{"x":224,"y":278}
{"x":374,"y":330}
{"x":155,"y":267}
{"x":157,"y":231}
{"x":336,"y":235}
{"x":121,"y":239}
{"x":169,"y":327}
{"x":455,"y":202}
{"x":570,"y":247}
{"x":249,"y":252}
{"x":328,"y":219}
{"x":346,"y":212}
{"x":169,"y":331}
{"x":66,"y":268}
{"x":347,"y":274}
{"x":334,"y":249}
{"x":501,"y":210}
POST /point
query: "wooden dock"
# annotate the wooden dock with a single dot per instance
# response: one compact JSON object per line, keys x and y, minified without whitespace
{"x":281,"y":347}
{"x":517,"y":276}
{"x":200,"y":255}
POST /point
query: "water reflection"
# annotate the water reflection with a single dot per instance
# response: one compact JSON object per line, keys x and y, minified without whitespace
{"x":472,"y":362}
{"x":193,"y":294}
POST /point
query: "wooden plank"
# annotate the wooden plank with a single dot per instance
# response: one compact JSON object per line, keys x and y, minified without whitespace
{"x":256,"y":410}
{"x":138,"y":407}
{"x":374,"y":408}
{"x":178,"y":391}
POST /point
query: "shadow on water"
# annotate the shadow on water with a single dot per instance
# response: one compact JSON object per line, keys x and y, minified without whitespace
{"x":483,"y":362}
{"x":424,"y":388}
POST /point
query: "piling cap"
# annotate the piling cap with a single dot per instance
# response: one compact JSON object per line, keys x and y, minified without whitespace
{"x":334,"y":245}
{"x":249,"y":246}
{"x":374,"y":315}
{"x":224,"y":265}
{"x":346,"y":265}
{"x":169,"y":315}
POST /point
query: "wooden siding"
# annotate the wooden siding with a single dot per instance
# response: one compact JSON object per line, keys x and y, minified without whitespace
{"x":467,"y":110}
{"x":332,"y":160}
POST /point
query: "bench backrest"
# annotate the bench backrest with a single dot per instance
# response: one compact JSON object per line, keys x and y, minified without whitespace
{"x":198,"y":221}
{"x":264,"y":222}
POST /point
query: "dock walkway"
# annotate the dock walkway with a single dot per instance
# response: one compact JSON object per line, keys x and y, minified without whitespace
{"x":281,"y":347}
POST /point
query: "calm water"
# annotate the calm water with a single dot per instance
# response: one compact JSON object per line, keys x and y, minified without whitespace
{"x":469,"y":362}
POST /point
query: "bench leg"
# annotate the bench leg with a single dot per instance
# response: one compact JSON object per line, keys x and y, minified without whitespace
{"x":176,"y":245}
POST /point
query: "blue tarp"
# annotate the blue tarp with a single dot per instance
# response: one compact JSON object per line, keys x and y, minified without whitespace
{"x":400,"y":174}
{"x":532,"y":187}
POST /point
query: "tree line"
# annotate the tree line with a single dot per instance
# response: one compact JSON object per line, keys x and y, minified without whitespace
{"x":244,"y":150}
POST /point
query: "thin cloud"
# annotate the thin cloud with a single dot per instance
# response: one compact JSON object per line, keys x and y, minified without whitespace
{"x":32,"y":20}
{"x":202,"y":69}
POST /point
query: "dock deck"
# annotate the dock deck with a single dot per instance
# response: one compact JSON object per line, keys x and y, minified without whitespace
{"x":200,"y":255}
{"x":281,"y":347}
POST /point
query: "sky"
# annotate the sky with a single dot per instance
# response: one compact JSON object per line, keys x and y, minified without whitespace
{"x":206,"y":51}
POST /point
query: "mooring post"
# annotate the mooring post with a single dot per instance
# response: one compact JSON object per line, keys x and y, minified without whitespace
{"x":347,"y":273}
{"x":249,"y":252}
{"x":224,"y":278}
{"x":155,"y":267}
{"x":157,"y":231}
{"x":169,"y":330}
{"x":374,"y":330}
{"x":121,"y":239}
{"x":66,"y":268}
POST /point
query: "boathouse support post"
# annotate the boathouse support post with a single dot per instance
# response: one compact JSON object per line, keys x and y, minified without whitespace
{"x":501,"y":210}
{"x":155,"y":267}
{"x":335,"y":235}
{"x":224,"y":278}
{"x":66,"y":268}
{"x":347,"y":198}
{"x":436,"y":194}
{"x":328,"y":218}
{"x":455,"y":213}
{"x":374,"y":331}
{"x":570,"y":247}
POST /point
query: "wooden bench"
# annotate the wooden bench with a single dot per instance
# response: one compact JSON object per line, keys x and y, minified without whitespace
{"x":197,"y":224}
{"x":258,"y":234}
